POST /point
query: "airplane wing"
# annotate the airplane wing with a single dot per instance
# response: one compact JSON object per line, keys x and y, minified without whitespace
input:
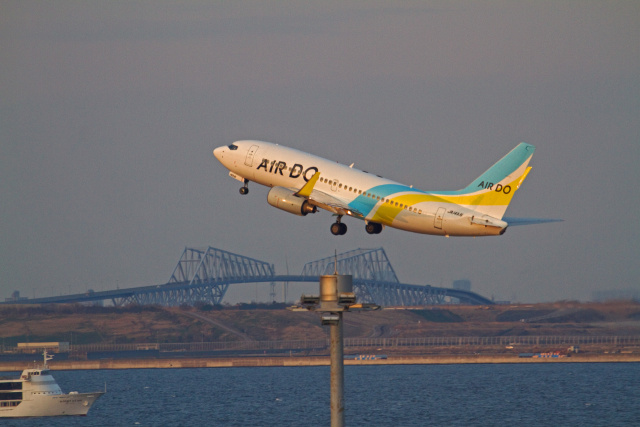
{"x":326,"y":201}
{"x":528,"y":221}
{"x":332,"y":204}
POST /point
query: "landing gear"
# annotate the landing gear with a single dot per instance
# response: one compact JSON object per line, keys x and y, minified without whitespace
{"x":245,"y":188}
{"x":373,"y":228}
{"x":338,"y":228}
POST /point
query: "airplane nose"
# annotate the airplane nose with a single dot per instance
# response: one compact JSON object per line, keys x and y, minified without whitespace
{"x":218,"y":152}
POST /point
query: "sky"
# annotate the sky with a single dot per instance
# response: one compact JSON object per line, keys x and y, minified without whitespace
{"x":109,"y":112}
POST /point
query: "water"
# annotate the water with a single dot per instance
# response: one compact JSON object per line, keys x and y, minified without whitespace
{"x":559,"y":394}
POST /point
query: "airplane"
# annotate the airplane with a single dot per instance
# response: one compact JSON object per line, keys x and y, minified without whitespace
{"x":301,"y":183}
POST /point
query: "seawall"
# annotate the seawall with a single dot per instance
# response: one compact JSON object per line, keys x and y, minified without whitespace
{"x":310,"y":361}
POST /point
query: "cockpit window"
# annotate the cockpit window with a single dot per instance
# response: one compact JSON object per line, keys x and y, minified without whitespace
{"x":233,"y":147}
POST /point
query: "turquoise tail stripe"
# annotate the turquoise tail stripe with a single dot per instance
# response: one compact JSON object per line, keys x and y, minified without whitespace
{"x":503,"y":168}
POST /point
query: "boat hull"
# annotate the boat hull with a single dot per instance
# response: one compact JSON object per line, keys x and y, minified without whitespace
{"x":51,"y":406}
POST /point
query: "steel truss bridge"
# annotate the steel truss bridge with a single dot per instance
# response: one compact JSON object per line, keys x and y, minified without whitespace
{"x":204,"y":275}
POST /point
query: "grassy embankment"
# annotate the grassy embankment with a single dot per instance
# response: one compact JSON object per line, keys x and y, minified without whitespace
{"x":151,"y":324}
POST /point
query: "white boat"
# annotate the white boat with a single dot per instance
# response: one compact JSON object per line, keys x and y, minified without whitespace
{"x":36,"y":394}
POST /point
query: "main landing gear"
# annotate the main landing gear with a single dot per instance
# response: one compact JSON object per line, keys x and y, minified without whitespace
{"x":373,"y":228}
{"x":245,"y":188}
{"x":338,"y":228}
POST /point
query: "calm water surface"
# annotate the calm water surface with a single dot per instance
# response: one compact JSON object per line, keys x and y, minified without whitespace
{"x":568,"y":394}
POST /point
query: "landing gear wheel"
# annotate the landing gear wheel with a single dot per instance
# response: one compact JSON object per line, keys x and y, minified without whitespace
{"x":373,"y":228}
{"x":338,"y":229}
{"x":244,"y":190}
{"x":343,"y":229}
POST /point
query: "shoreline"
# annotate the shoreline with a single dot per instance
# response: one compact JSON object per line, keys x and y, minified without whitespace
{"x":236,"y":362}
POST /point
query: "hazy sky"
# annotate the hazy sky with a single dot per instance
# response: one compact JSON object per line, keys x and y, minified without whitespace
{"x":109,"y":112}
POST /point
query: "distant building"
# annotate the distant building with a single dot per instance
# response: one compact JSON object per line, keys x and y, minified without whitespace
{"x":37,"y":347}
{"x":15,"y":296}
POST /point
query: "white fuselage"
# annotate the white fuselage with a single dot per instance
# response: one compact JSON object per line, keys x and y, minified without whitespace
{"x":360,"y":194}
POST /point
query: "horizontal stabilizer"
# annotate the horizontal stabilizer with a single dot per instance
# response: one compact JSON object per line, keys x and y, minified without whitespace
{"x":528,"y":221}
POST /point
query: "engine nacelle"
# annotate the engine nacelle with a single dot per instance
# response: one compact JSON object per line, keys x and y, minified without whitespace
{"x":285,"y":199}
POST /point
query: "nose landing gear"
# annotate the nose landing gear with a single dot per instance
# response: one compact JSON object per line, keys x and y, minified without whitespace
{"x":245,"y":188}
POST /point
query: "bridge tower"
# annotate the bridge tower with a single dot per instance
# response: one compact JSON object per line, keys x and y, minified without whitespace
{"x":203,"y":275}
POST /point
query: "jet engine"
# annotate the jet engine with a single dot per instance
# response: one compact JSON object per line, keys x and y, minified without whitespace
{"x":285,"y":199}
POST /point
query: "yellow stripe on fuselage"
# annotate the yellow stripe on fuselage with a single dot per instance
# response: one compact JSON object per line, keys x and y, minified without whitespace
{"x":388,"y":210}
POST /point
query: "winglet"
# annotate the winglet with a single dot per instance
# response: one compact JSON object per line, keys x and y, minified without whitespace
{"x":306,"y":189}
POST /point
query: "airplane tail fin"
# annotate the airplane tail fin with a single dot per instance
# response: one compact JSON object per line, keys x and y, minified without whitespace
{"x":492,"y":191}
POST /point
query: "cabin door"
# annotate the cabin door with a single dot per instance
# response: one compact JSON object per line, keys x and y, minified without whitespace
{"x":437,"y":222}
{"x":249,"y":159}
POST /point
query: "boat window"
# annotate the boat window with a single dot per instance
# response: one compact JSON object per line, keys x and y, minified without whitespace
{"x":232,"y":147}
{"x":13,"y":385}
{"x":11,"y":395}
{"x":3,"y":404}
